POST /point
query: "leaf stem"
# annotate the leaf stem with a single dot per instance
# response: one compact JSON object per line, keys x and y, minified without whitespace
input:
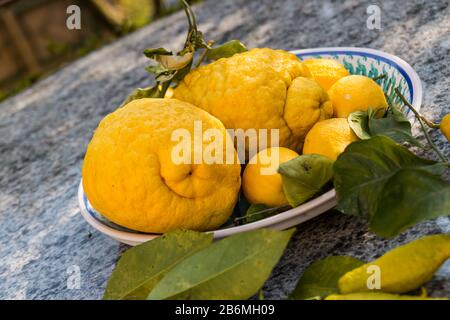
{"x":205,"y":52}
{"x":417,"y":113}
{"x":190,"y":15}
{"x":421,"y":120}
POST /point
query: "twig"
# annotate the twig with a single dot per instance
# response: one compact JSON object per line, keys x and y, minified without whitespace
{"x":417,"y":113}
{"x":421,"y":121}
{"x":204,"y":53}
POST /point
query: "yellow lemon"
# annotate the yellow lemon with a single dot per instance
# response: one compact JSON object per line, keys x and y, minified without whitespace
{"x":131,"y":176}
{"x":354,"y":93}
{"x":256,"y":90}
{"x":326,"y":71}
{"x":402,"y":269}
{"x":261,"y":182}
{"x":377,"y":296}
{"x":445,"y":126}
{"x":329,"y":138}
{"x":307,"y":103}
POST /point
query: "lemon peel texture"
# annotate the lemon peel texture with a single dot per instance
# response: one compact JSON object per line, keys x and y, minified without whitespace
{"x":266,"y":187}
{"x":258,"y":89}
{"x":130,"y":178}
{"x":326,"y":71}
{"x":329,"y":138}
{"x":356,"y":93}
{"x":402,"y":269}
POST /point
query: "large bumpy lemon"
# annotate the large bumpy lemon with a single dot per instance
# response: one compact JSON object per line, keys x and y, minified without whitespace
{"x":257,"y":89}
{"x":136,"y":175}
{"x":355,"y":93}
{"x":261,"y":182}
{"x":326,"y":71}
{"x":329,"y":138}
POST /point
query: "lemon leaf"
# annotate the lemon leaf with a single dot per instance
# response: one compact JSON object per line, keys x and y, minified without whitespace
{"x":365,"y":124}
{"x":226,"y":50}
{"x":389,"y":186}
{"x":140,"y":268}
{"x":140,"y":93}
{"x":320,"y":279}
{"x":153,"y":53}
{"x":358,"y":122}
{"x":305,"y":176}
{"x":233,"y":268}
{"x":429,"y":198}
{"x":260,"y":211}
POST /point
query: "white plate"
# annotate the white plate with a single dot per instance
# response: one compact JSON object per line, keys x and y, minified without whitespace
{"x":280,"y":221}
{"x":363,"y":61}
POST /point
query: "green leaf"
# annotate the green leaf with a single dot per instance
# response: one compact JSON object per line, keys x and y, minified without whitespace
{"x":304,"y":176}
{"x":366,"y":124}
{"x":320,"y":279}
{"x":395,"y":125}
{"x":428,"y":198}
{"x":359,"y":123}
{"x":389,"y":186}
{"x":259,"y":211}
{"x":226,"y":50}
{"x":152,"y":53}
{"x":140,"y":268}
{"x":233,"y":268}
{"x":161,"y":73}
{"x":156,"y":69}
{"x":140,"y":93}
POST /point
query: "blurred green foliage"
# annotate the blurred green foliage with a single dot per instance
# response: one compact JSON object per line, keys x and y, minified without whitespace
{"x":136,"y":13}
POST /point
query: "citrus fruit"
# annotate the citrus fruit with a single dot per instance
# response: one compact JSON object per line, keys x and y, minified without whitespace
{"x":250,"y":90}
{"x":326,"y":71}
{"x":445,"y":126}
{"x":329,"y":138}
{"x":402,"y":269}
{"x":261,"y":182}
{"x":169,"y":93}
{"x":307,"y":103}
{"x":131,"y":176}
{"x":356,"y":93}
{"x":377,"y":296}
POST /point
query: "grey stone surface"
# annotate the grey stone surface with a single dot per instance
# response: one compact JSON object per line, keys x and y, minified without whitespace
{"x":44,"y":132}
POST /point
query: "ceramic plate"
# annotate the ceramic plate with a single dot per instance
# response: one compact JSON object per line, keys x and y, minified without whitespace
{"x":363,"y":61}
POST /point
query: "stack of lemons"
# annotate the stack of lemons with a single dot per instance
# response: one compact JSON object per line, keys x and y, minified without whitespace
{"x":129,"y":172}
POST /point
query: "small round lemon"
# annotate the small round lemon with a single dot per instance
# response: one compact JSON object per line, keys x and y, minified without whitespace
{"x":445,"y":126}
{"x":326,"y":71}
{"x":355,"y":93}
{"x":261,"y":182}
{"x":329,"y":138}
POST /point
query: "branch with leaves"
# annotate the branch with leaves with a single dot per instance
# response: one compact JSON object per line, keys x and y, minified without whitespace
{"x":170,"y":68}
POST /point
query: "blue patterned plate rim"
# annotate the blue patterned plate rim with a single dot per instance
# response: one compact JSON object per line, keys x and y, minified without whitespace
{"x":410,"y":75}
